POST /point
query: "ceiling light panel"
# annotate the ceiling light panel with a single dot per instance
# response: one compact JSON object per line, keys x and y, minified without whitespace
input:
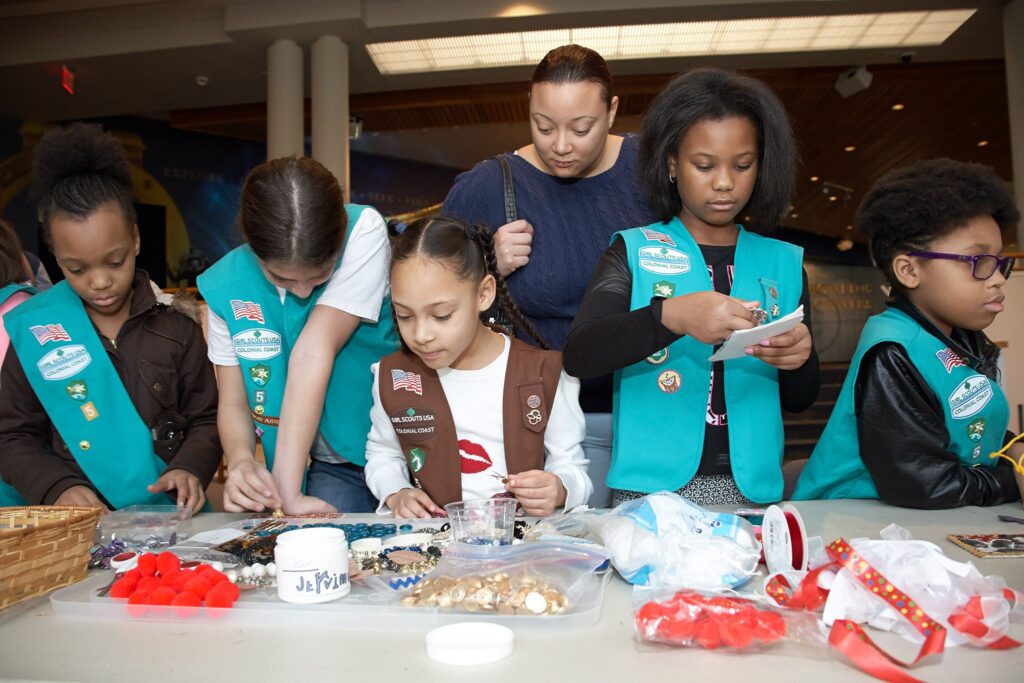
{"x":682,"y":39}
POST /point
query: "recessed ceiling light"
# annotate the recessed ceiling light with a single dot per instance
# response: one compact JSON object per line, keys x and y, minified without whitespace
{"x":814,"y":178}
{"x":794,"y":215}
{"x":849,"y":148}
{"x":849,"y":227}
{"x":676,"y":39}
{"x":982,"y":143}
{"x":898,"y":107}
{"x":833,"y":198}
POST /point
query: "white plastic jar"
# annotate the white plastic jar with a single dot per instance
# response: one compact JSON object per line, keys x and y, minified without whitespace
{"x":312,"y":565}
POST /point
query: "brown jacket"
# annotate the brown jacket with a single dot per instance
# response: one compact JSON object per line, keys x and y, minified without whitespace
{"x":160,"y":357}
{"x":426,"y":428}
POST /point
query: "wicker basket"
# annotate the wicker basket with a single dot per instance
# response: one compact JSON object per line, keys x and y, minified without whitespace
{"x":43,"y":548}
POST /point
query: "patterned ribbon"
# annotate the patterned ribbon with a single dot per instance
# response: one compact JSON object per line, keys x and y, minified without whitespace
{"x":850,"y":639}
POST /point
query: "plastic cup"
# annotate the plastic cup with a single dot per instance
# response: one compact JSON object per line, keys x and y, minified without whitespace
{"x":490,"y":521}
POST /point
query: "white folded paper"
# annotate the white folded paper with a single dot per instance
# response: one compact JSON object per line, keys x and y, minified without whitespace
{"x":738,"y":341}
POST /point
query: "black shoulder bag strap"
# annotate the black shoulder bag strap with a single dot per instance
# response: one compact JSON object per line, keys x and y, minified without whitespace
{"x":497,"y":315}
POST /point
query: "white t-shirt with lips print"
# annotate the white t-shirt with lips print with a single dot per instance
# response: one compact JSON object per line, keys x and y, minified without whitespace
{"x":475,"y":398}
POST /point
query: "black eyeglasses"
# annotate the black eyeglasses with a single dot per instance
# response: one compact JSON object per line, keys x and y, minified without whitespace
{"x":983,"y":266}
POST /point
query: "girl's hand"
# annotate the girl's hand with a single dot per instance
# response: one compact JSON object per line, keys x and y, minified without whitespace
{"x":512,"y":246}
{"x":787,"y":351}
{"x":539,"y":492}
{"x":305,"y":505}
{"x":190,"y":491}
{"x":412,"y":503}
{"x":80,"y":496}
{"x":708,"y":317}
{"x":250,"y":488}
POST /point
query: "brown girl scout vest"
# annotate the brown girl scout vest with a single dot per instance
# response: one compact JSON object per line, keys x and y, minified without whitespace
{"x":413,"y":398}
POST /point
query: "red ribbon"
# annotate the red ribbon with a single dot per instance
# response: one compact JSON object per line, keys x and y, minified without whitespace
{"x":851,"y":640}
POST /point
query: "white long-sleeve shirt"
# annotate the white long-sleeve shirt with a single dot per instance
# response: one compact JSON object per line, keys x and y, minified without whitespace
{"x":476,"y":400}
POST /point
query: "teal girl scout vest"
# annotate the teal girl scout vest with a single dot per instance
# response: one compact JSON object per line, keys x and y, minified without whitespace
{"x":660,"y":404}
{"x":976,"y":411}
{"x":263,"y":333}
{"x":71,"y":373}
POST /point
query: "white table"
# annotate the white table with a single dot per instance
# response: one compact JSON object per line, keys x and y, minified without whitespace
{"x":35,"y":644}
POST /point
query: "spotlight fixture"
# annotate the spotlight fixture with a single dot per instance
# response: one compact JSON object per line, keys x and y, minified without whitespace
{"x":849,"y":148}
{"x":833,"y":198}
{"x":898,"y":107}
{"x":844,"y":244}
{"x":982,"y":143}
{"x":814,"y":178}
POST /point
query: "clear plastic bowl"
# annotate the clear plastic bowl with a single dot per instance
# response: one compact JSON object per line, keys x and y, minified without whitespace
{"x":489,"y":521}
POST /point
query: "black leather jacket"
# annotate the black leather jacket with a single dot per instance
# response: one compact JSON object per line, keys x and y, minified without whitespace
{"x":902,"y":428}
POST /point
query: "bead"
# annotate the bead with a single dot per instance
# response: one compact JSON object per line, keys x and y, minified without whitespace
{"x":271,"y":569}
{"x":246,"y":572}
{"x":232,"y":576}
{"x":219,"y":566}
{"x":405,"y":527}
{"x":259,"y":571}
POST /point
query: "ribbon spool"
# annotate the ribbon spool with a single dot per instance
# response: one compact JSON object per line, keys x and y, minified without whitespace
{"x":784,"y":540}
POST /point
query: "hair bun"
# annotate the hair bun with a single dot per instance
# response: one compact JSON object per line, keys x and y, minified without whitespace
{"x":81,"y":149}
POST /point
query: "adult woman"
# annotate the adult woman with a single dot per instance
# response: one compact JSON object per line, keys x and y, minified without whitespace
{"x":574,"y":186}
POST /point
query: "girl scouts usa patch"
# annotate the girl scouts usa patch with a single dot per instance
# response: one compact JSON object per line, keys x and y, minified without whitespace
{"x":663,"y":261}
{"x":63,"y":362}
{"x":970,"y":397}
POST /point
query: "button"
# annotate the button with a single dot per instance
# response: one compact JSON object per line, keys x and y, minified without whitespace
{"x":157,"y":387}
{"x":84,"y":445}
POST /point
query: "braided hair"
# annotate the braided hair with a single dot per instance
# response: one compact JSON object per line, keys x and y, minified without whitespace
{"x":467,"y":250}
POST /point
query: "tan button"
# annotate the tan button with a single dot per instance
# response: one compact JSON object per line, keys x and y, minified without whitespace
{"x":84,"y":445}
{"x":157,"y":387}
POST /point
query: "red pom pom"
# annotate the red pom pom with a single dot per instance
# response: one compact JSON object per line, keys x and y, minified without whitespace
{"x":162,"y":596}
{"x":706,"y":633}
{"x":771,"y":626}
{"x":168,"y":563}
{"x":224,"y":590}
{"x":147,"y":564}
{"x":198,"y":586}
{"x":137,"y":603}
{"x":148,"y":583}
{"x":133,"y":574}
{"x":185,"y":604}
{"x":123,"y":588}
{"x":214,"y":576}
{"x":218,"y":600}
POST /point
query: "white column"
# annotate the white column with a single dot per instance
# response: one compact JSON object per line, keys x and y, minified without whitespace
{"x":285,"y":105}
{"x":1013,"y":46}
{"x":329,"y":78}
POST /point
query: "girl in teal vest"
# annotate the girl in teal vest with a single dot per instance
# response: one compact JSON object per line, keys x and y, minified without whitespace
{"x":296,"y":317}
{"x":107,"y":399}
{"x":714,"y":146}
{"x":921,"y":412}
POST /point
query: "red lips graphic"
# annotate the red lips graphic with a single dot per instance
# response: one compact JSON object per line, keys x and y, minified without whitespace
{"x":474,"y":457}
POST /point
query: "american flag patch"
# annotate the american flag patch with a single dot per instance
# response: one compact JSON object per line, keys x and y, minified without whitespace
{"x":949,"y":359}
{"x":49,"y":333}
{"x":655,"y":236}
{"x":247,"y":310}
{"x":410,"y":381}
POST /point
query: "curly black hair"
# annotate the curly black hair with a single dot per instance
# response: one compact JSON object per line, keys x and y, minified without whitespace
{"x":713,"y":94}
{"x":77,"y":169}
{"x":909,"y":208}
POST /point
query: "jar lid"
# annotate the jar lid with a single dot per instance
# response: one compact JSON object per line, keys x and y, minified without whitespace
{"x":469,"y":643}
{"x":318,"y":534}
